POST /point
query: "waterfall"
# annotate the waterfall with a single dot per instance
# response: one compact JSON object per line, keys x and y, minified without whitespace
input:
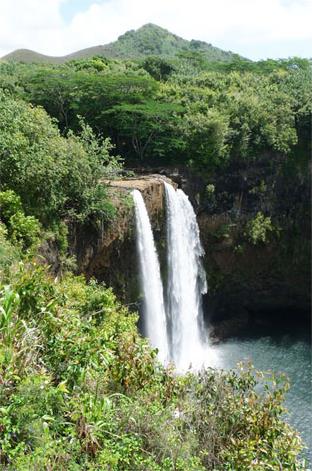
{"x":153,"y":303}
{"x":186,"y":282}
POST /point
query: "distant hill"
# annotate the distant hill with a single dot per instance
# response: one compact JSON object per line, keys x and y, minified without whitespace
{"x":29,"y":56}
{"x":148,"y":40}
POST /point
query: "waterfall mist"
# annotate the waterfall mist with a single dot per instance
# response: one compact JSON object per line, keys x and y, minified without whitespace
{"x":153,"y":301}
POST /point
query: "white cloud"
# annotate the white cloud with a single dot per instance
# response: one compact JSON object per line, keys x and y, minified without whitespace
{"x":30,"y":24}
{"x":250,"y":27}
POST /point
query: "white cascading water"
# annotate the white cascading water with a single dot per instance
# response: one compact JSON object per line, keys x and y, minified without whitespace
{"x":186,"y":283}
{"x":153,"y":304}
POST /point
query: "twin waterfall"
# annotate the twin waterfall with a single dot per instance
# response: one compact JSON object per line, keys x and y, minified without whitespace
{"x":174,"y":327}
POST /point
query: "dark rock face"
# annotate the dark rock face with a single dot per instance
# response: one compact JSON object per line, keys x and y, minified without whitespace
{"x":250,"y":283}
{"x":264,"y":281}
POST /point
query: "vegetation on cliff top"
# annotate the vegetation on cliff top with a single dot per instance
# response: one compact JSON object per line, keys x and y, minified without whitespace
{"x":55,"y":177}
{"x":186,"y":111}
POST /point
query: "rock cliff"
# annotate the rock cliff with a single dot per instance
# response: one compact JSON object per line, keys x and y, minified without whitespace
{"x":108,"y":252}
{"x":260,"y":283}
{"x":258,"y":267}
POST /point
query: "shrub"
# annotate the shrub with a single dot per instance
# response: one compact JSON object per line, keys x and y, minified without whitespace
{"x":80,"y":389}
{"x":8,"y":253}
{"x":54,"y":177}
{"x":22,"y":230}
{"x":259,"y":229}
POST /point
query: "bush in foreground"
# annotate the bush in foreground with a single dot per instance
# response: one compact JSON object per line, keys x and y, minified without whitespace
{"x":80,"y":389}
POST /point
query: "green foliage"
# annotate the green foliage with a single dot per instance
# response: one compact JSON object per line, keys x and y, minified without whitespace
{"x":54,"y":177}
{"x":158,"y":68}
{"x":8,"y":253}
{"x":210,"y":189}
{"x":223,"y":231}
{"x":80,"y":389}
{"x":9,"y":299}
{"x":152,"y":128}
{"x":10,"y":204}
{"x":184,"y":110}
{"x":246,"y":109}
{"x":206,"y":136}
{"x":65,"y":91}
{"x":259,"y":229}
{"x":23,"y":231}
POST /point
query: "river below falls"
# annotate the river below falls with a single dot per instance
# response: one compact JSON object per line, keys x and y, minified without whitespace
{"x":289,"y":354}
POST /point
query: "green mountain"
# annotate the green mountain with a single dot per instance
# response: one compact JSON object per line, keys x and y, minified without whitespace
{"x":29,"y":56}
{"x":148,"y":40}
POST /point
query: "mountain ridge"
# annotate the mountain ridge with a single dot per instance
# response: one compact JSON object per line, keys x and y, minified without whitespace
{"x":147,"y":40}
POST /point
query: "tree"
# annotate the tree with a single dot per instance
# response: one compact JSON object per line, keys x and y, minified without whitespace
{"x":147,"y":127}
{"x":54,"y":176}
{"x":158,"y":68}
{"x":66,"y":94}
{"x":206,"y":135}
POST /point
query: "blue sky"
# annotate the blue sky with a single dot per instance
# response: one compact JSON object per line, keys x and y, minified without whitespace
{"x":253,"y":28}
{"x":70,"y":8}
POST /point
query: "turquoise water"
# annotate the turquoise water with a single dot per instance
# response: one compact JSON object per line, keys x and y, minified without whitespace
{"x":286,"y":354}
